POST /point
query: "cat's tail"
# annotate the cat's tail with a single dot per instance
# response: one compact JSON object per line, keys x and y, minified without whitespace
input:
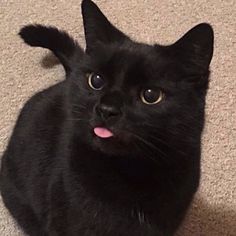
{"x":65,"y":48}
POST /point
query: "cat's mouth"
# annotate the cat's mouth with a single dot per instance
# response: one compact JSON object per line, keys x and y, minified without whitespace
{"x":105,"y":140}
{"x":103,"y":132}
{"x":107,"y":134}
{"x":111,"y":140}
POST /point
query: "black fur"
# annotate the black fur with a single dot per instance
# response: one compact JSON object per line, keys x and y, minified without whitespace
{"x":59,"y":42}
{"x":58,"y":178}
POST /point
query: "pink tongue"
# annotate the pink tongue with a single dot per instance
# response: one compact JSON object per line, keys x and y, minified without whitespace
{"x":103,"y":132}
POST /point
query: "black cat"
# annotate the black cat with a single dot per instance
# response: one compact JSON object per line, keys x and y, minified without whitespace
{"x":114,"y":150}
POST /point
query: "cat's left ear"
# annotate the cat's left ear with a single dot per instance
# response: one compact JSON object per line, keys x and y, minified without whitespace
{"x":196,"y":46}
{"x":97,"y":27}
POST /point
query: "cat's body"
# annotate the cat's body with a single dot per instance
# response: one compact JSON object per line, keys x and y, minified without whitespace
{"x":53,"y":181}
{"x":60,"y":176}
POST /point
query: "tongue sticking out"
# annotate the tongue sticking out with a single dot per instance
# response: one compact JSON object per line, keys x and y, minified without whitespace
{"x":103,"y":132}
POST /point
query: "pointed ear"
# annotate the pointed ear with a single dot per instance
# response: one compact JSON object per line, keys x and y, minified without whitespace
{"x":196,"y":46}
{"x":59,"y":42}
{"x":97,"y":27}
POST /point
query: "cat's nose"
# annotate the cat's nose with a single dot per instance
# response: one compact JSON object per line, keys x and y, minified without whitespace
{"x":107,"y":111}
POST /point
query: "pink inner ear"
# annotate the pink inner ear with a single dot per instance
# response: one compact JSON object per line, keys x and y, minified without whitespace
{"x":103,"y":132}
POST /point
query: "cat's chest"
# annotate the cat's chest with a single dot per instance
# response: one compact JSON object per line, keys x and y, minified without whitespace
{"x":91,"y":218}
{"x":76,"y":212}
{"x":98,"y":199}
{"x":122,"y":185}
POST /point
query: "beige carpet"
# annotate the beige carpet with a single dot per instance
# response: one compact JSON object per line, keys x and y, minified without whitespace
{"x":21,"y":75}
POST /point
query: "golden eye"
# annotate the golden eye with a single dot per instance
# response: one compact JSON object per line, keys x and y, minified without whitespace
{"x":152,"y":96}
{"x":95,"y":81}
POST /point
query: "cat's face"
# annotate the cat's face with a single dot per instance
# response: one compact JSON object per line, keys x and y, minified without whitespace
{"x":119,"y":95}
{"x":130,"y":98}
{"x":135,"y":97}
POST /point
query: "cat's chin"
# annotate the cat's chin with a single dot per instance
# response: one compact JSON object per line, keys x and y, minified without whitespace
{"x":113,"y":146}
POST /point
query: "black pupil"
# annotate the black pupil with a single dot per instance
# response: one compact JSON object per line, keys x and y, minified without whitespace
{"x":97,"y":81}
{"x":151,"y":96}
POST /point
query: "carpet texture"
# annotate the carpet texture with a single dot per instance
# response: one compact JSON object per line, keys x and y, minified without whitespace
{"x":25,"y":70}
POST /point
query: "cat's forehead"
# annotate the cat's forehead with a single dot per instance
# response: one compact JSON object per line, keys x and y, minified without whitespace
{"x":130,"y":64}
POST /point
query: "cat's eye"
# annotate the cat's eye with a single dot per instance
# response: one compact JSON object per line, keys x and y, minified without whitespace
{"x":95,"y":81}
{"x":152,"y":96}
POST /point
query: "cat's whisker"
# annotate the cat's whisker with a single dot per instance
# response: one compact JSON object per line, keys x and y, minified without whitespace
{"x":189,"y":128}
{"x":77,"y":112}
{"x":79,"y":106}
{"x":151,"y":149}
{"x":167,"y":145}
{"x":77,"y":120}
{"x":148,"y":152}
{"x":150,"y":145}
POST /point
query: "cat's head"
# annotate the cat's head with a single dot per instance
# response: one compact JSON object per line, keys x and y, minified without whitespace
{"x":128,"y":97}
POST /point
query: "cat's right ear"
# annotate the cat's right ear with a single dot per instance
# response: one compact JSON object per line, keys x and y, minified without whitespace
{"x":59,"y":42}
{"x":97,"y":27}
